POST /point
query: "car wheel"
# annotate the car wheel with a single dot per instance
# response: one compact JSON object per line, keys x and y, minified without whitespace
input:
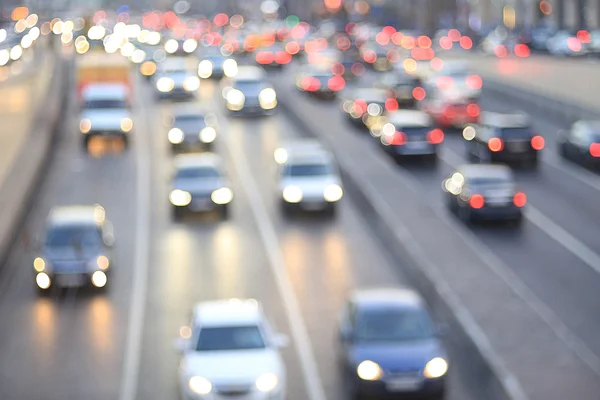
{"x":351,"y":387}
{"x":286,"y":209}
{"x":178,"y":213}
{"x":86,"y":143}
{"x":224,"y":212}
{"x":330,"y":211}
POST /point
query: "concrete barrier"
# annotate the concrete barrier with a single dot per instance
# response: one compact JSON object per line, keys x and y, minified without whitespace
{"x":18,"y":190}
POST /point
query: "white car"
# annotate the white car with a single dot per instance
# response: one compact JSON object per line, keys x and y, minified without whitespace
{"x":229,"y":350}
{"x":174,"y":80}
{"x":310,"y":181}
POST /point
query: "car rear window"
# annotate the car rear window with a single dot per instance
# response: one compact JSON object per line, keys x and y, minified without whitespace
{"x":230,"y":338}
{"x":516,"y":133}
{"x":200,"y":173}
{"x":73,"y":235}
{"x":393,"y":324}
{"x":300,"y":170}
{"x":105,"y":104}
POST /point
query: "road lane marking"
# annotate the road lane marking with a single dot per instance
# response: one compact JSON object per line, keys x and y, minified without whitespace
{"x":137,"y":302}
{"x":276,"y":263}
{"x":576,"y":171}
{"x":562,"y":331}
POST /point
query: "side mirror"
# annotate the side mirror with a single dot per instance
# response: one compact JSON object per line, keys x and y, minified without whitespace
{"x":281,"y":341}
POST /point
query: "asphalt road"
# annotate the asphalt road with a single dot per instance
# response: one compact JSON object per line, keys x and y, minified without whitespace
{"x":556,"y":254}
{"x":76,"y":344}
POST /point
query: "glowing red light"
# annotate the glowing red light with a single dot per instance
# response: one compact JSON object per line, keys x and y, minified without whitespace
{"x":264,"y":57}
{"x":437,"y":64}
{"x":454,"y":35}
{"x":391,"y":105}
{"x":292,"y":48}
{"x":500,"y":51}
{"x":389,"y":30}
{"x":399,"y":139}
{"x":393,"y":56}
{"x":584,"y":36}
{"x":336,"y":83}
{"x":343,"y":43}
{"x":100,"y":15}
{"x":473,"y":110}
{"x":574,"y":44}
{"x":474,"y":82}
{"x":424,"y":41}
{"x":421,"y":54}
{"x":283,"y":57}
{"x":333,"y":4}
{"x":537,"y":142}
{"x":397,"y":38}
{"x":522,"y":50}
{"x":595,"y":150}
{"x":357,"y":69}
{"x":360,"y":107}
{"x":444,"y":82}
{"x":466,"y":43}
{"x":477,"y":201}
{"x":435,"y":136}
{"x":495,"y":144}
{"x":310,"y":84}
{"x":338,"y":69}
{"x":446,"y":43}
{"x":350,"y":26}
{"x":520,"y":199}
{"x":419,"y":93}
{"x":382,"y":39}
{"x":370,"y":56}
{"x":221,"y":19}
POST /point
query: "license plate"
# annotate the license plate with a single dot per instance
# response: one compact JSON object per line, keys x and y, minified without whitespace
{"x":70,"y":280}
{"x":417,"y":145}
{"x":517,"y":147}
{"x":313,"y":206}
{"x":201,"y":205}
{"x":405,"y":384}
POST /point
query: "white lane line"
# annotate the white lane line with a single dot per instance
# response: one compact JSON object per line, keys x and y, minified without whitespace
{"x":137,"y":302}
{"x":268,"y":235}
{"x":578,"y":172}
{"x":559,"y":328}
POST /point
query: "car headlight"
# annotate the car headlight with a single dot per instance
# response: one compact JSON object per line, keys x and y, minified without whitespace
{"x":235,"y":97}
{"x":190,"y":45}
{"x":281,"y":155}
{"x":148,"y":68}
{"x":230,"y":68}
{"x":171,"y":46}
{"x":292,"y":194}
{"x":43,"y":280}
{"x":208,"y":134}
{"x":99,"y":279}
{"x":369,"y":371}
{"x":191,"y":83}
{"x":267,"y":99}
{"x":205,"y":68}
{"x":333,"y":193}
{"x":39,"y":264}
{"x":222,"y":196}
{"x":85,"y":125}
{"x":267,"y":382}
{"x":102,"y":262}
{"x":180,"y":198}
{"x":165,"y":84}
{"x":126,"y":124}
{"x":176,"y":136}
{"x":435,"y":368}
{"x":199,"y":385}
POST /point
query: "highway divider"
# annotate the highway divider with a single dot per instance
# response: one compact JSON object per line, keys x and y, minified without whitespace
{"x":484,"y":366}
{"x":18,"y":191}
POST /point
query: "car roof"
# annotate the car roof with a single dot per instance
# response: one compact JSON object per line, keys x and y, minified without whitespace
{"x":376,"y":297}
{"x":250,"y":73}
{"x":410,"y":118}
{"x":204,"y":160}
{"x":504,"y":120}
{"x":232,"y":312}
{"x":77,"y":215}
{"x":474,"y":171}
{"x":187,"y":109}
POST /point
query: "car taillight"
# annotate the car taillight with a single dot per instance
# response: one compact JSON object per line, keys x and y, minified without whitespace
{"x":495,"y":144}
{"x":399,"y":139}
{"x":338,"y":69}
{"x":311,"y":84}
{"x":360,"y":107}
{"x":264,"y":57}
{"x":444,"y":82}
{"x":520,"y":199}
{"x":292,"y":48}
{"x":500,"y":51}
{"x":283,"y":57}
{"x":419,"y":93}
{"x":370,"y":56}
{"x":391,"y":105}
{"x":595,"y":149}
{"x":537,"y":142}
{"x":522,"y":50}
{"x":473,"y":110}
{"x":449,"y":112}
{"x":474,"y":82}
{"x":336,"y":83}
{"x":477,"y":201}
{"x":435,"y":136}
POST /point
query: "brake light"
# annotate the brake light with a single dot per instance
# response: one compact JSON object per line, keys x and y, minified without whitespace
{"x":419,"y":93}
{"x":537,"y":142}
{"x":338,"y":69}
{"x":391,"y":105}
{"x":449,"y":111}
{"x":435,"y":136}
{"x":283,"y":57}
{"x":477,"y":201}
{"x":520,"y":199}
{"x":399,"y":139}
{"x":292,"y":48}
{"x":521,"y":50}
{"x":264,"y":57}
{"x":360,"y":107}
{"x":473,"y":110}
{"x":336,"y":83}
{"x":495,"y":144}
{"x":311,"y":84}
{"x":370,"y":56}
{"x":595,"y":149}
{"x":584,"y":36}
{"x":474,"y":82}
{"x":500,"y":51}
{"x":444,"y":82}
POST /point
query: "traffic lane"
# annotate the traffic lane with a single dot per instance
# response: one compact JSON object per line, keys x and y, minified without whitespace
{"x":70,"y":344}
{"x":325,"y":258}
{"x":562,"y":190}
{"x":197,"y":259}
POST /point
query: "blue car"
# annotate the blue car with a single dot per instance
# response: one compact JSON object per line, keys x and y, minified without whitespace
{"x":390,"y":346}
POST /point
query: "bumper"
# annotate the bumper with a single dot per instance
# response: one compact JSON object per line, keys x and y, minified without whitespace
{"x":445,"y":121}
{"x":414,"y":149}
{"x":200,"y":205}
{"x":176,"y":94}
{"x":191,"y":147}
{"x":72,"y":280}
{"x":429,"y":388}
{"x":506,"y":157}
{"x":253,"y":111}
{"x":107,"y":133}
{"x":500,"y":213}
{"x":310,"y":206}
{"x":228,"y":396}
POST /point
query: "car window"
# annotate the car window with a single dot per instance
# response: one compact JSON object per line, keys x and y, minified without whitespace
{"x":306,"y":170}
{"x":230,"y":338}
{"x":250,"y":88}
{"x":105,"y":104}
{"x":74,"y":236}
{"x":393,"y":324}
{"x":205,"y":172}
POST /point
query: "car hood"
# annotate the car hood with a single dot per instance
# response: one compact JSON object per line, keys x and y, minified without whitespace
{"x":105,"y":118}
{"x":199,"y":186}
{"x":240,"y":366}
{"x":398,"y":357}
{"x":69,"y":253}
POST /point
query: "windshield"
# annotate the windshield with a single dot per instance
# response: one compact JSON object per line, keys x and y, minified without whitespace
{"x":189,"y":121}
{"x":300,"y":170}
{"x":230,"y":338}
{"x":188,"y":173}
{"x":490,"y":181}
{"x":517,"y":133}
{"x":105,"y":104}
{"x":74,"y":236}
{"x":250,"y":88}
{"x":392,"y":325}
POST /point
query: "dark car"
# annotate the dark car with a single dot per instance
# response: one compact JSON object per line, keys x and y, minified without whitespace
{"x":364,"y":105}
{"x":484,"y":193}
{"x":390,"y":347}
{"x":581,"y":143}
{"x":411,"y":133}
{"x":191,"y":130}
{"x":76,"y":249}
{"x":406,"y":89}
{"x":319,"y":81}
{"x":503,"y":138}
